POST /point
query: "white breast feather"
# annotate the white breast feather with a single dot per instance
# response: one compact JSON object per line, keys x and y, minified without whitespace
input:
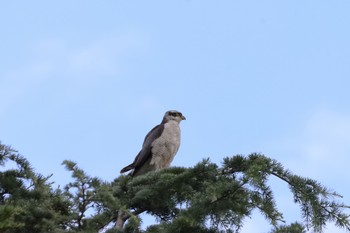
{"x":166,"y":146}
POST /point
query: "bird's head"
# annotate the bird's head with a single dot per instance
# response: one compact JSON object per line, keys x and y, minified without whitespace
{"x":173,"y":115}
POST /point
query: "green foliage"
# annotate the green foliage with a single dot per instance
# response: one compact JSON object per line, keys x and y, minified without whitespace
{"x":292,"y":228}
{"x":206,"y":198}
{"x":27,"y":201}
{"x":81,"y":193}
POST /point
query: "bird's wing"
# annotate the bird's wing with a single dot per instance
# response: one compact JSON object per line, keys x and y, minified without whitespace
{"x":146,"y":151}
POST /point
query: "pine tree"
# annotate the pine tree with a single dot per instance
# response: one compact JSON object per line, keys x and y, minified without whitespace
{"x":209,"y":198}
{"x":27,"y":201}
{"x":206,"y":198}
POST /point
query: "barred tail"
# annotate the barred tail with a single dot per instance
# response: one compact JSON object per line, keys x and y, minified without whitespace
{"x":127,"y":168}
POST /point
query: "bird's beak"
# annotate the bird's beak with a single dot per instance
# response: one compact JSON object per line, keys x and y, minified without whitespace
{"x":183,"y":117}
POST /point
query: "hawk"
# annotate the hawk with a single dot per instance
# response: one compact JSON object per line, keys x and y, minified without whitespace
{"x":159,"y":147}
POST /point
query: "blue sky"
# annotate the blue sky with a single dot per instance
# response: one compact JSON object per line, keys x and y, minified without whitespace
{"x":86,"y":80}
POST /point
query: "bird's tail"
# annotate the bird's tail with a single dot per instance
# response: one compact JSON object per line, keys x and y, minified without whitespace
{"x":127,"y":168}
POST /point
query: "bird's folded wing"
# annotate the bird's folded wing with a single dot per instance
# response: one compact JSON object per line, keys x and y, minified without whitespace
{"x":146,"y":151}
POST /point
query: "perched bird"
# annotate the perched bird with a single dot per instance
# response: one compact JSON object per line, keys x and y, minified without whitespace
{"x":159,"y":147}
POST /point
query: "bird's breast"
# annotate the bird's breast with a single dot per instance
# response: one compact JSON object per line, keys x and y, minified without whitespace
{"x":166,"y":146}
